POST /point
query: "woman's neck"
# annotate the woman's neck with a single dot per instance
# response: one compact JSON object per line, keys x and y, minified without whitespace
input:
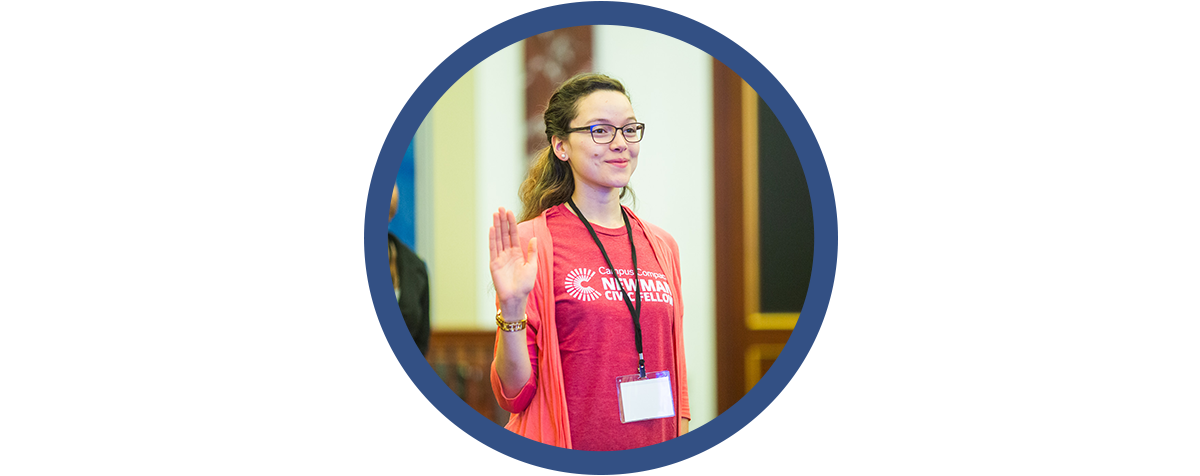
{"x":600,"y":209}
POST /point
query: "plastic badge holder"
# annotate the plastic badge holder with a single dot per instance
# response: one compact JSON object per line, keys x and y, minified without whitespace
{"x":645,"y":398}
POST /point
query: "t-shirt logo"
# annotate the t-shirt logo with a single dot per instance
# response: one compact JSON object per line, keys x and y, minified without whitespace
{"x":576,"y":287}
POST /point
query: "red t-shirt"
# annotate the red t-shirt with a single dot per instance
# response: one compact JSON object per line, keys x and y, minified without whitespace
{"x":595,"y":329}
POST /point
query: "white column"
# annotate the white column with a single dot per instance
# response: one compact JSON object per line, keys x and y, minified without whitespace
{"x":670,"y":83}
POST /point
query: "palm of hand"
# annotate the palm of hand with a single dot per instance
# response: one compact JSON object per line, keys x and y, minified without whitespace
{"x":514,"y":268}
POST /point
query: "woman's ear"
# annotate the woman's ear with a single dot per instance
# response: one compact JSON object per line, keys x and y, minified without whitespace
{"x":559,"y":148}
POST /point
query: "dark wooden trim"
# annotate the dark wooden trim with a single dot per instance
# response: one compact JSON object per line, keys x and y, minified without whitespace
{"x":728,"y":242}
{"x":463,"y":360}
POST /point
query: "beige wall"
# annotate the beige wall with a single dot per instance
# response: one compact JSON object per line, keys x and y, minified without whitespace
{"x":447,"y":207}
{"x":670,"y":84}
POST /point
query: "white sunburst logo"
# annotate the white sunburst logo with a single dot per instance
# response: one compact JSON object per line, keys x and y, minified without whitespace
{"x":576,"y":287}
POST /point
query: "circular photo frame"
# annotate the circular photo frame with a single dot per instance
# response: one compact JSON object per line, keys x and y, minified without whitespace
{"x":824,"y":234}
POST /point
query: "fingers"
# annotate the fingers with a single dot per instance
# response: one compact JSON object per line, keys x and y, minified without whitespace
{"x":514,"y":236}
{"x":495,"y":237}
{"x":492,"y":251}
{"x":506,"y":230}
{"x":504,"y":234}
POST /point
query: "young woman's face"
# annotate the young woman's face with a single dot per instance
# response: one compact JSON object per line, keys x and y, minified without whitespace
{"x":600,"y":166}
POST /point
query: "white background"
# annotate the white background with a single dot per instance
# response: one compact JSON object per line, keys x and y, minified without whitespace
{"x":183,"y":290}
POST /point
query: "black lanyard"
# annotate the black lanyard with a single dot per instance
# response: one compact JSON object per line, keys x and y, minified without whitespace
{"x":636,"y":313}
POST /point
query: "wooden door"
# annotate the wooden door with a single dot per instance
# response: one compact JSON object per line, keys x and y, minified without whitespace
{"x":764,"y":239}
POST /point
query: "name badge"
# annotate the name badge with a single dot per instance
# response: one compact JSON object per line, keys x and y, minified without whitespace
{"x":645,"y":398}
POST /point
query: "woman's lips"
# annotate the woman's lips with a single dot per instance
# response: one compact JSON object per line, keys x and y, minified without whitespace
{"x":622,"y":163}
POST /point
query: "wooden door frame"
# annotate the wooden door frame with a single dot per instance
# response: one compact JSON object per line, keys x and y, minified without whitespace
{"x":746,"y":337}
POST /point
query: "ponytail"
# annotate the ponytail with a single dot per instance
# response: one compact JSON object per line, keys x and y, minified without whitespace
{"x":549,"y":183}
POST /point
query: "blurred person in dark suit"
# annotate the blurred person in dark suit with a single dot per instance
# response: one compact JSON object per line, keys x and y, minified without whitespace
{"x":411,"y":282}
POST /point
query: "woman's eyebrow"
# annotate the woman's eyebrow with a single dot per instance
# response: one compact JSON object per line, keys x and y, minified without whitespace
{"x":605,"y":121}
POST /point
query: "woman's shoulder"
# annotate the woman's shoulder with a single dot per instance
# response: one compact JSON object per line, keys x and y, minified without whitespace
{"x":662,"y":234}
{"x":534,"y":226}
{"x":656,"y":231}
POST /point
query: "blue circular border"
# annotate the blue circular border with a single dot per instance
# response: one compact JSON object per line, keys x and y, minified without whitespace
{"x":824,"y":221}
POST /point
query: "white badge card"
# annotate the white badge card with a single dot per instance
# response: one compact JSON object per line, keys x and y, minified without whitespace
{"x":645,"y":398}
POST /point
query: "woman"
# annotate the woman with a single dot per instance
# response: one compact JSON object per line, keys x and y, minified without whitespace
{"x":573,"y":315}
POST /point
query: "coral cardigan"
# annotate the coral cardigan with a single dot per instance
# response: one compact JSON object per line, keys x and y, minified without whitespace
{"x":545,"y":419}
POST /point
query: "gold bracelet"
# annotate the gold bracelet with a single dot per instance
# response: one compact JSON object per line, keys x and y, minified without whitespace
{"x":509,"y":326}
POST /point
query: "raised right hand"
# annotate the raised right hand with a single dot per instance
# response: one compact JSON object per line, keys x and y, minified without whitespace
{"x":514,"y":268}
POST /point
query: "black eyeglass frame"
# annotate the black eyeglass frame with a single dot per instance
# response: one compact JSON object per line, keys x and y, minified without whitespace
{"x":592,"y":131}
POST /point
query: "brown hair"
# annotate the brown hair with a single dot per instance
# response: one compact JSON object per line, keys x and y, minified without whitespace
{"x":550,"y":181}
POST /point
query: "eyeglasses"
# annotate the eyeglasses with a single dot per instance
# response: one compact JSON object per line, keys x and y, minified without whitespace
{"x":605,"y":133}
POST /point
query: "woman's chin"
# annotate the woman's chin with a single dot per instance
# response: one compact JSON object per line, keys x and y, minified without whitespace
{"x":614,"y":182}
{"x":621,"y":178}
{"x":619,"y":184}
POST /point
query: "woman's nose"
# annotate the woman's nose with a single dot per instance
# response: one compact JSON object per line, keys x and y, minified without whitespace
{"x":618,"y":147}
